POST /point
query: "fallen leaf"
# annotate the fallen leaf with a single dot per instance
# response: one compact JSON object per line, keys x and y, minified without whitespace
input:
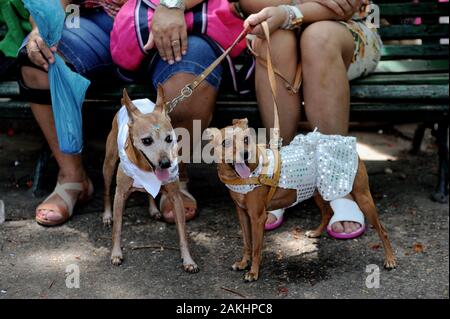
{"x":283,"y":290}
{"x":418,"y":248}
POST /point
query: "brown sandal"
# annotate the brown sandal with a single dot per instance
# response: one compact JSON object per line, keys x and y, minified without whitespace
{"x":86,"y":192}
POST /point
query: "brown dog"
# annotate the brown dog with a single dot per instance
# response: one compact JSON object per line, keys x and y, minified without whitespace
{"x":151,"y":147}
{"x":252,"y":207}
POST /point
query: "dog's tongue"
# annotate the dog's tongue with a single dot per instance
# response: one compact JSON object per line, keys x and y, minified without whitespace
{"x":242,"y":170}
{"x":162,"y":174}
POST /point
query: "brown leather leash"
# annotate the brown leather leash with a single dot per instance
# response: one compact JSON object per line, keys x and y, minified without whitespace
{"x":275,"y":144}
{"x":187,"y":90}
{"x":265,"y":178}
{"x":292,"y":87}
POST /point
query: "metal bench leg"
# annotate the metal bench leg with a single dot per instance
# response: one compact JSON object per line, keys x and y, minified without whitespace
{"x":39,"y":170}
{"x":418,"y":138}
{"x":441,"y":194}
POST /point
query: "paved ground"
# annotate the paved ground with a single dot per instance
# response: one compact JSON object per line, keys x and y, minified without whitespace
{"x":33,"y":259}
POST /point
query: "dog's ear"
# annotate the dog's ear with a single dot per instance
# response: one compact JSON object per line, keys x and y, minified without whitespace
{"x":160,"y":105}
{"x":210,"y":133}
{"x":132,"y":110}
{"x":243,"y":123}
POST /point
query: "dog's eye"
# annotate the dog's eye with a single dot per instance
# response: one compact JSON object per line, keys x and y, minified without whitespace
{"x":147,"y":141}
{"x":246,"y":140}
{"x":169,"y":139}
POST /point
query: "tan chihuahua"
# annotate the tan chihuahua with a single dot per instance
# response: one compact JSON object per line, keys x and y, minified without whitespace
{"x":151,"y":148}
{"x":252,"y":207}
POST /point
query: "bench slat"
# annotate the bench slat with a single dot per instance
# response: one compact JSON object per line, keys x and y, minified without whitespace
{"x":414,"y":51}
{"x":398,"y":32}
{"x":413,"y":9}
{"x":406,"y":79}
{"x":400,"y":92}
{"x":408,"y":66}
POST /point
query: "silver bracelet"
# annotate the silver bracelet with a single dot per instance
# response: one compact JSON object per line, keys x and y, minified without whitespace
{"x":287,"y":23}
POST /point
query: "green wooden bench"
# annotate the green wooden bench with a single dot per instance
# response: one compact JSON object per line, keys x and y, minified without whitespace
{"x":411,"y":83}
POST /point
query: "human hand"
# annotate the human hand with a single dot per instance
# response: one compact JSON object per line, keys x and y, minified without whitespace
{"x":343,"y":8}
{"x":169,"y":34}
{"x":274,"y":16}
{"x":38,"y":51}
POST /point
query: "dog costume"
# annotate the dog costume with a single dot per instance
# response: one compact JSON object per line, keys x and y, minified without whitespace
{"x":327,"y":163}
{"x":141,"y":179}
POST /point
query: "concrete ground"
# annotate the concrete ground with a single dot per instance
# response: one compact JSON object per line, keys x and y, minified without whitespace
{"x":34,"y":259}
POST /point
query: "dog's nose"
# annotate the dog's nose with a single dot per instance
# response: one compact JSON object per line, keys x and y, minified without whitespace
{"x":246,"y":155}
{"x":164,"y":163}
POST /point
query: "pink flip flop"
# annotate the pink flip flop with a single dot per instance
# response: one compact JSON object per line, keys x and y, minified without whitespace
{"x":346,"y":210}
{"x":279,"y":214}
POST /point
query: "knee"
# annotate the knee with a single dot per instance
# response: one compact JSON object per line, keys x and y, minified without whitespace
{"x":34,"y":78}
{"x":283,"y":46}
{"x":197,"y":107}
{"x":318,"y":45}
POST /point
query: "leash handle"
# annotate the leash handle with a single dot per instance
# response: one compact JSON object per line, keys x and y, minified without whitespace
{"x":188,"y":90}
{"x":276,"y":141}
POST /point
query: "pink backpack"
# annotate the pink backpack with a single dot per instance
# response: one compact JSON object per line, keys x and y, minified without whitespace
{"x":132,"y":26}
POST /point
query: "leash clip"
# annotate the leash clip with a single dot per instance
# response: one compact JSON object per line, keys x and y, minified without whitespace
{"x":185,"y":93}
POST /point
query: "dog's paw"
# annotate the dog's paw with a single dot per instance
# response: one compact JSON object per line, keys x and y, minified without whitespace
{"x":107,"y":219}
{"x":250,"y":276}
{"x":191,"y":268}
{"x":390,"y":263}
{"x":107,"y":222}
{"x":116,"y":259}
{"x":313,"y":233}
{"x":240,"y":265}
{"x":155,"y":214}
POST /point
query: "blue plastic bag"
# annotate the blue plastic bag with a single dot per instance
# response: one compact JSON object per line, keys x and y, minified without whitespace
{"x":67,"y":88}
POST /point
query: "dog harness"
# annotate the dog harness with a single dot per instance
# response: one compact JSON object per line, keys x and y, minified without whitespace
{"x":141,"y":179}
{"x":327,"y":163}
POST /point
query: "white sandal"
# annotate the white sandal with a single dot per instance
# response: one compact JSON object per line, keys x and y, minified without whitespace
{"x":346,"y":210}
{"x":279,"y":214}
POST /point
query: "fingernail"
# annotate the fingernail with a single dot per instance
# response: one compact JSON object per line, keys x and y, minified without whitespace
{"x":171,"y":62}
{"x":178,"y":58}
{"x":184,"y":52}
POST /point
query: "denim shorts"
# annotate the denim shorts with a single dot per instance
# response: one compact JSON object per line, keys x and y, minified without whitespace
{"x":87,"y":51}
{"x":199,"y":56}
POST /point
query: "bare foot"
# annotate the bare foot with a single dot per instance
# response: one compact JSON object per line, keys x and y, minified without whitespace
{"x":271,"y":218}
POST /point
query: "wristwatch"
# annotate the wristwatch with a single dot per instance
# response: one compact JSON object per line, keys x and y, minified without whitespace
{"x":173,"y":4}
{"x":294,"y":18}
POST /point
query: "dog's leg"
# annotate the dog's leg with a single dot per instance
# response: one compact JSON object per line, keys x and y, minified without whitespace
{"x":326,"y":212}
{"x":244,"y":222}
{"x":109,"y":166}
{"x":124,"y":184}
{"x":363,"y":197}
{"x":174,"y":195}
{"x":258,"y":216}
{"x":153,"y":209}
